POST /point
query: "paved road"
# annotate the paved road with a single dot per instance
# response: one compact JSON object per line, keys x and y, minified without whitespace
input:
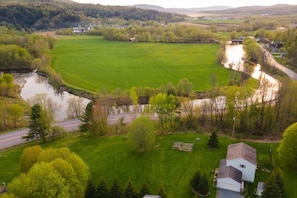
{"x":15,"y":137}
{"x":271,"y":61}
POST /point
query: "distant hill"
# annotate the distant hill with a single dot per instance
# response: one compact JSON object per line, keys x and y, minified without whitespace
{"x":279,"y":9}
{"x":180,"y":10}
{"x":53,"y":14}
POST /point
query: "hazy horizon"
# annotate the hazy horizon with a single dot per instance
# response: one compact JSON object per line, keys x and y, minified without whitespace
{"x":190,"y":4}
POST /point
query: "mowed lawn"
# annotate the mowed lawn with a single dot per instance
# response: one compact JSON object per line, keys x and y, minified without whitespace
{"x":110,"y":158}
{"x":94,"y":64}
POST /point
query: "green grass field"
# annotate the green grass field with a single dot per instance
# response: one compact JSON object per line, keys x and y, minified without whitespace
{"x":110,"y":158}
{"x":94,"y":64}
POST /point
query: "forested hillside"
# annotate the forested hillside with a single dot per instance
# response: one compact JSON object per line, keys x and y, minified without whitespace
{"x":43,"y":15}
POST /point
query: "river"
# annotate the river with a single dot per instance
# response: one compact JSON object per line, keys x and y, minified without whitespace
{"x":33,"y":84}
{"x":268,"y":85}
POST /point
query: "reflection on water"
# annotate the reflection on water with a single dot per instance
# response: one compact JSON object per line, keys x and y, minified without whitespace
{"x":268,"y":86}
{"x":234,"y":55}
{"x":33,"y":84}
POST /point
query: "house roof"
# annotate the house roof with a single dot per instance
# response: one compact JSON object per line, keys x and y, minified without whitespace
{"x":229,"y":171}
{"x":242,"y":150}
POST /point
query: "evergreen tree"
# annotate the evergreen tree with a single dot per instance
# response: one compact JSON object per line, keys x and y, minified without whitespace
{"x":195,"y":181}
{"x":203,"y":187}
{"x":274,"y":186}
{"x":86,"y":118}
{"x":115,"y":190}
{"x":162,"y":193}
{"x":144,"y":190}
{"x":213,"y":141}
{"x":39,"y":123}
{"x":130,"y":192}
{"x":101,"y":190}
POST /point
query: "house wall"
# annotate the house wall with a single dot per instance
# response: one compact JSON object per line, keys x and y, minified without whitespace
{"x":228,"y":184}
{"x":248,"y":169}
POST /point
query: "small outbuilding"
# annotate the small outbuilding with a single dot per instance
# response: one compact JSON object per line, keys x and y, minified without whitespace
{"x":260,"y":189}
{"x":229,"y":178}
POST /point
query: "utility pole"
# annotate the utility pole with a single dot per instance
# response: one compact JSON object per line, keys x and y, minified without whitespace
{"x":234,"y":121}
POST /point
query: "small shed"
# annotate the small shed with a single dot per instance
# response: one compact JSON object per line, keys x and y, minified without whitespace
{"x":260,"y":189}
{"x":229,"y":178}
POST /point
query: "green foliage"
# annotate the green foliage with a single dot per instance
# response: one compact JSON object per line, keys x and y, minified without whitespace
{"x":195,"y":181}
{"x":164,"y":106}
{"x":42,"y":180}
{"x":7,"y":87}
{"x":12,"y":111}
{"x":141,"y":134}
{"x":57,"y":132}
{"x":101,"y":190}
{"x":60,"y":14}
{"x":98,"y":119}
{"x":253,"y":50}
{"x":86,"y":118}
{"x":184,"y":87}
{"x":39,"y":123}
{"x":203,"y":187}
{"x":29,"y":158}
{"x":162,"y":193}
{"x":130,"y":192}
{"x":144,"y":190}
{"x":213,"y":141}
{"x":287,"y":151}
{"x":199,"y":184}
{"x":14,"y":57}
{"x":274,"y":186}
{"x":50,"y":173}
{"x":90,"y":191}
{"x":24,"y":51}
{"x":116,"y":191}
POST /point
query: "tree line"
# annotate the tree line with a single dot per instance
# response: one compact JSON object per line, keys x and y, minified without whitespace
{"x":24,"y":52}
{"x":116,"y":191}
{"x":172,"y":33}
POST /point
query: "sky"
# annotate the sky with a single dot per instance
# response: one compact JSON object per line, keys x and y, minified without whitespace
{"x":190,"y":3}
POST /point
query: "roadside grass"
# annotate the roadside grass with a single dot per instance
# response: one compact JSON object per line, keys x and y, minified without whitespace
{"x":110,"y":158}
{"x":94,"y":64}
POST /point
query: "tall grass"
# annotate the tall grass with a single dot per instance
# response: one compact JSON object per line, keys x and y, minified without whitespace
{"x":91,"y":63}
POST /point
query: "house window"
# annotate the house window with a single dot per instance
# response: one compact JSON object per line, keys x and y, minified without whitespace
{"x":242,"y":166}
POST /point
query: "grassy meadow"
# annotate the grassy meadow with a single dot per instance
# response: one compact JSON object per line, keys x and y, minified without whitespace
{"x":94,"y":64}
{"x":110,"y":158}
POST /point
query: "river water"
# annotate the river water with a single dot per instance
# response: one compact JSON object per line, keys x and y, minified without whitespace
{"x":33,"y":84}
{"x":268,"y":85}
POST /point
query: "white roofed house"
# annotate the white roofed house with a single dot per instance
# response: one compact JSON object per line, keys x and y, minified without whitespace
{"x":240,"y":165}
{"x":244,"y":158}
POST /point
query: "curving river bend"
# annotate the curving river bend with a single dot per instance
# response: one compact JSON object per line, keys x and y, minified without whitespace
{"x":33,"y":84}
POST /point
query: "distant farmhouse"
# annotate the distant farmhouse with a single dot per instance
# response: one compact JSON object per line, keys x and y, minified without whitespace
{"x":239,"y":166}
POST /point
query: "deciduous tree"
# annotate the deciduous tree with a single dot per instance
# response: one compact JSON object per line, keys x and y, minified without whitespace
{"x":141,"y":134}
{"x":287,"y":150}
